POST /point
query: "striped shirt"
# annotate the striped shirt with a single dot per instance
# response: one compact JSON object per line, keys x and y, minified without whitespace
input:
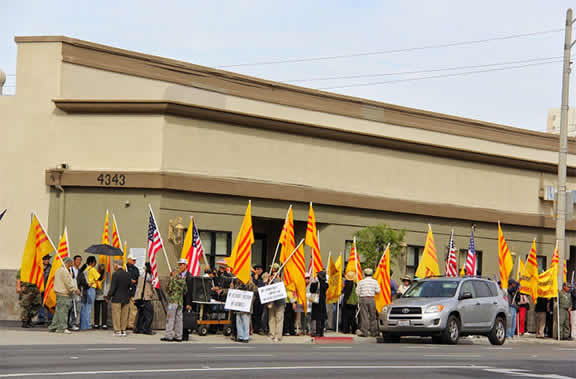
{"x":367,"y":287}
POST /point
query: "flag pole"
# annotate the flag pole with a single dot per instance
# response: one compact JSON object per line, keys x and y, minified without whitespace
{"x":339,"y":295}
{"x":278,"y":244}
{"x":160,"y":236}
{"x":286,"y":261}
{"x":119,"y":239}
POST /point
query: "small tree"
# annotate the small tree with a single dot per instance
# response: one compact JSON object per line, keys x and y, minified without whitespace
{"x":372,"y":241}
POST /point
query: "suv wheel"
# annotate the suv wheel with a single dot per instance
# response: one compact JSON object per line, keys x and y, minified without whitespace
{"x":497,"y":335}
{"x":390,"y":338}
{"x":451,"y":334}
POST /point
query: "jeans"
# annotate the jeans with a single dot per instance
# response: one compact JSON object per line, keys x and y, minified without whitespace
{"x":512,"y":325}
{"x":86,"y":312}
{"x":243,"y":326}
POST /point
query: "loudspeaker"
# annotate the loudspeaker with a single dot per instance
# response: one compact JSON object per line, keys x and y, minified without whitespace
{"x":201,"y":288}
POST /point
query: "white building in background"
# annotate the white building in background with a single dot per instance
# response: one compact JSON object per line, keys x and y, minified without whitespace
{"x":553,"y":125}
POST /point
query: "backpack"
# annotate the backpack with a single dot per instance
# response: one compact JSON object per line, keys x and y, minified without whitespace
{"x":82,"y":281}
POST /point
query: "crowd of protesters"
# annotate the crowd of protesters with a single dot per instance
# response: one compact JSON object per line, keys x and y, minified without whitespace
{"x":85,"y":292}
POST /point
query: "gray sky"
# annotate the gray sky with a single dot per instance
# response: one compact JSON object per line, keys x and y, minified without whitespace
{"x":232,"y":32}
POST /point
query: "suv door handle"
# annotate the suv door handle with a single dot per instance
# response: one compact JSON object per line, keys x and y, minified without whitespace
{"x":494,"y":303}
{"x":477,"y":303}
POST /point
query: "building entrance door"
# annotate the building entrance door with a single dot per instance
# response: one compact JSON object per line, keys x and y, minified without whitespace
{"x":259,"y":250}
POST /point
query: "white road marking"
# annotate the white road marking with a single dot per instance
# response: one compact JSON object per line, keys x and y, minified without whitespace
{"x":565,"y":349}
{"x":421,"y":347}
{"x":111,"y":349}
{"x":233,"y":355}
{"x":74,"y":357}
{"x":525,"y":373}
{"x":447,"y":355}
{"x":333,"y":347}
{"x":216,"y":369}
{"x":497,"y":348}
{"x":231,"y":347}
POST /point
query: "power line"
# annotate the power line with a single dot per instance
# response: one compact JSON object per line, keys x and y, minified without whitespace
{"x":371,"y":53}
{"x":420,"y":71}
{"x":439,"y":76}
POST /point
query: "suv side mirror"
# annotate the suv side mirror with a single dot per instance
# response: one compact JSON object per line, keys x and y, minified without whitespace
{"x":466,"y":295}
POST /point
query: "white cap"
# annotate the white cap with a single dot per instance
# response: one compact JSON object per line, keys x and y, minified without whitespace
{"x":182,"y":261}
{"x":131,"y":257}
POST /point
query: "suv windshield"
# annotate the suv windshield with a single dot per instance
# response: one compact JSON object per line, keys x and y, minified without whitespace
{"x":432,"y":288}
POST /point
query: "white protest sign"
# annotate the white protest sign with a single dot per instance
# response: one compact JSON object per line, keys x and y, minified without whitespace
{"x":240,"y":301}
{"x":272,"y":292}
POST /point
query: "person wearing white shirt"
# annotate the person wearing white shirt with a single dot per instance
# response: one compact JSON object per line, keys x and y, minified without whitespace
{"x":366,"y":290}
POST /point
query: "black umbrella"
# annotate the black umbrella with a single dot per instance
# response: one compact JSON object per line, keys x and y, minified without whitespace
{"x":104,"y":249}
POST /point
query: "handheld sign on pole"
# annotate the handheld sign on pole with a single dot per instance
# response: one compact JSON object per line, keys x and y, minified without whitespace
{"x":240,"y":301}
{"x":272,"y":292}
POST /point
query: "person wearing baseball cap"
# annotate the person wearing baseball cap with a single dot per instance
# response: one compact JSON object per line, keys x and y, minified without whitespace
{"x":134,"y":275}
{"x":175,"y":292}
{"x":64,"y":287}
{"x":366,"y":290}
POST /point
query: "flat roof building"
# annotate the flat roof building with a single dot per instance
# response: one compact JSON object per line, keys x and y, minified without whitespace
{"x":91,"y":128}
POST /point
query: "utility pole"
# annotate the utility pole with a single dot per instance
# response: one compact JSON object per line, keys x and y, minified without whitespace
{"x":563,"y":152}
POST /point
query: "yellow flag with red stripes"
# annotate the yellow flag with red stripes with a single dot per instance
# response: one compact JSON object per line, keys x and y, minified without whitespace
{"x":295,"y":268}
{"x":382,"y":276}
{"x":505,"y":261}
{"x":106,"y":240}
{"x":37,"y":245}
{"x":529,"y":276}
{"x":334,"y":280}
{"x":287,"y":240}
{"x":312,"y":241}
{"x":428,"y":265}
{"x":240,"y":260}
{"x":63,"y":252}
{"x":353,"y":264}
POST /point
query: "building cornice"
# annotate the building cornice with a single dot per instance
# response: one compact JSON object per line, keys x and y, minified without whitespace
{"x":165,"y":107}
{"x":287,"y":192}
{"x":127,"y":62}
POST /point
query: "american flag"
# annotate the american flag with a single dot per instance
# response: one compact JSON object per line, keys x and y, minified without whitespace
{"x":451,"y":263}
{"x":195,"y":253}
{"x":154,"y":246}
{"x":471,"y":257}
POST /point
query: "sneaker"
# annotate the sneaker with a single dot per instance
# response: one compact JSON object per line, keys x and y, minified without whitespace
{"x":75,"y":328}
{"x":117,"y":334}
{"x":104,"y":327}
{"x":96,"y":327}
{"x":66,"y":331}
{"x":166,"y":339}
{"x":123,"y":333}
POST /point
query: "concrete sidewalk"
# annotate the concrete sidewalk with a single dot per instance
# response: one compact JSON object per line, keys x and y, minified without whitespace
{"x":12,"y":334}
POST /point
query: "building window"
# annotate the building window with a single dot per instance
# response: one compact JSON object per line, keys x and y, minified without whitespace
{"x":464,"y":253}
{"x":217,"y":245}
{"x":413,"y":255}
{"x":541,"y":260}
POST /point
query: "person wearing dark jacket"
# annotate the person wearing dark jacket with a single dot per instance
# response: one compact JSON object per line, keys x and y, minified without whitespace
{"x":119,"y":295}
{"x":319,"y":313}
{"x":349,"y":304}
{"x":257,"y":324}
{"x":134,"y":274}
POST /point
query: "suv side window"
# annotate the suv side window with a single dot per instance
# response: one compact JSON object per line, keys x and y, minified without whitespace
{"x":481,"y":288}
{"x":467,"y":287}
{"x":493,"y":288}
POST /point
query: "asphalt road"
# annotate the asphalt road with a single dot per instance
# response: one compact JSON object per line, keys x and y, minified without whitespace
{"x":411,"y":360}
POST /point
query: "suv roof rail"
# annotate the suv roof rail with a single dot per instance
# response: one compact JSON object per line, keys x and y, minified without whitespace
{"x":456,"y":277}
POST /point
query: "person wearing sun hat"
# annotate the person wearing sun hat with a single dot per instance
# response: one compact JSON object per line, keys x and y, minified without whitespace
{"x":349,"y":303}
{"x":406,"y":283}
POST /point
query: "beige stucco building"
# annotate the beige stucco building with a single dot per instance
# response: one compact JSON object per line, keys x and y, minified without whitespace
{"x":134,"y":129}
